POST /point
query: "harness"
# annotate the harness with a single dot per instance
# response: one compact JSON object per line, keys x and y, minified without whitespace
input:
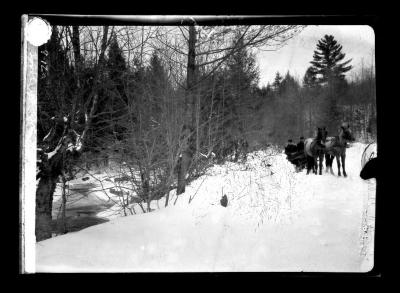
{"x":310,"y":144}
{"x":334,"y":142}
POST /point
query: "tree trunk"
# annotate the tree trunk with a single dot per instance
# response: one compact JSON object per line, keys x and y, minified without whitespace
{"x":44,"y":200}
{"x":189,"y":115}
{"x":183,"y":166}
{"x":210,"y":117}
{"x":64,"y":205}
{"x":167,"y":199}
{"x":48,"y":177}
{"x":76,"y":46}
{"x":197,"y":124}
{"x":75,"y":40}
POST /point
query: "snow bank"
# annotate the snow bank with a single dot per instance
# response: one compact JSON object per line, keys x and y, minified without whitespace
{"x":276,"y":220}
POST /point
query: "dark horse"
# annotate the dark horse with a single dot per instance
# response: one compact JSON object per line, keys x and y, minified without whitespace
{"x":314,"y":149}
{"x":336,"y":147}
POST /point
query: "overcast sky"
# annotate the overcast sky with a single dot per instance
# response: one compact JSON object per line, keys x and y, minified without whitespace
{"x":358,"y":43}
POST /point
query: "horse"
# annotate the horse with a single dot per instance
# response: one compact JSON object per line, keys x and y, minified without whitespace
{"x":314,"y":149}
{"x":335,"y":146}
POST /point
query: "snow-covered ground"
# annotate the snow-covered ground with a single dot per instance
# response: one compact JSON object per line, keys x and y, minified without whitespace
{"x":276,"y":220}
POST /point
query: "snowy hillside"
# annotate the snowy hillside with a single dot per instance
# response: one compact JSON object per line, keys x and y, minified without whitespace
{"x":276,"y":220}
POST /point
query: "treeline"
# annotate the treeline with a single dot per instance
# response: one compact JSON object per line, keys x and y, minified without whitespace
{"x":323,"y":97}
{"x":291,"y":109}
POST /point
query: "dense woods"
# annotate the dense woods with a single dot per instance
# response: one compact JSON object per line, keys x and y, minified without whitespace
{"x":161,"y":104}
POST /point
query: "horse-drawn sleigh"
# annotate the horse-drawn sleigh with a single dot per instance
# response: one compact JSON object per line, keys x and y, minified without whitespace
{"x":315,"y":149}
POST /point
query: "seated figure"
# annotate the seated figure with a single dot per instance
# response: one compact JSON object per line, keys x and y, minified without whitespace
{"x":290,"y":147}
{"x":300,"y":145}
{"x":295,"y":154}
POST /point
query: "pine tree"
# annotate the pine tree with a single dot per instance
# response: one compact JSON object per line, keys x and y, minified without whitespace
{"x":289,"y":85}
{"x":327,"y":60}
{"x":156,"y":76}
{"x":277,"y":82}
{"x":288,"y":108}
{"x":157,"y":86}
{"x":310,"y":78}
{"x":329,"y":69}
{"x":116,"y":64}
{"x":242,"y":76}
{"x":243,"y":68}
{"x":112,"y":97}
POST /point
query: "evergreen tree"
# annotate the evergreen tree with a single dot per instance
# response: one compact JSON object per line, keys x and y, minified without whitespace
{"x":243,"y":69}
{"x":157,"y":86}
{"x":328,"y":70}
{"x":289,"y":85}
{"x":112,"y":98}
{"x":310,"y":78}
{"x":157,"y":79}
{"x":288,"y":109}
{"x":277,"y":82}
{"x":327,"y":60}
{"x":242,"y":76}
{"x":116,"y":64}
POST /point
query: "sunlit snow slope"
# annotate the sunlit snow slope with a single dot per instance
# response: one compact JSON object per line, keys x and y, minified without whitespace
{"x":276,"y":220}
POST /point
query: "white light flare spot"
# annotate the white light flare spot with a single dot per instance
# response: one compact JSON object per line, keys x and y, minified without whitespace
{"x":38,"y":31}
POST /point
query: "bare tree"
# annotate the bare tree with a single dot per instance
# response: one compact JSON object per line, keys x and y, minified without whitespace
{"x":207,"y":48}
{"x":65,"y":142}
